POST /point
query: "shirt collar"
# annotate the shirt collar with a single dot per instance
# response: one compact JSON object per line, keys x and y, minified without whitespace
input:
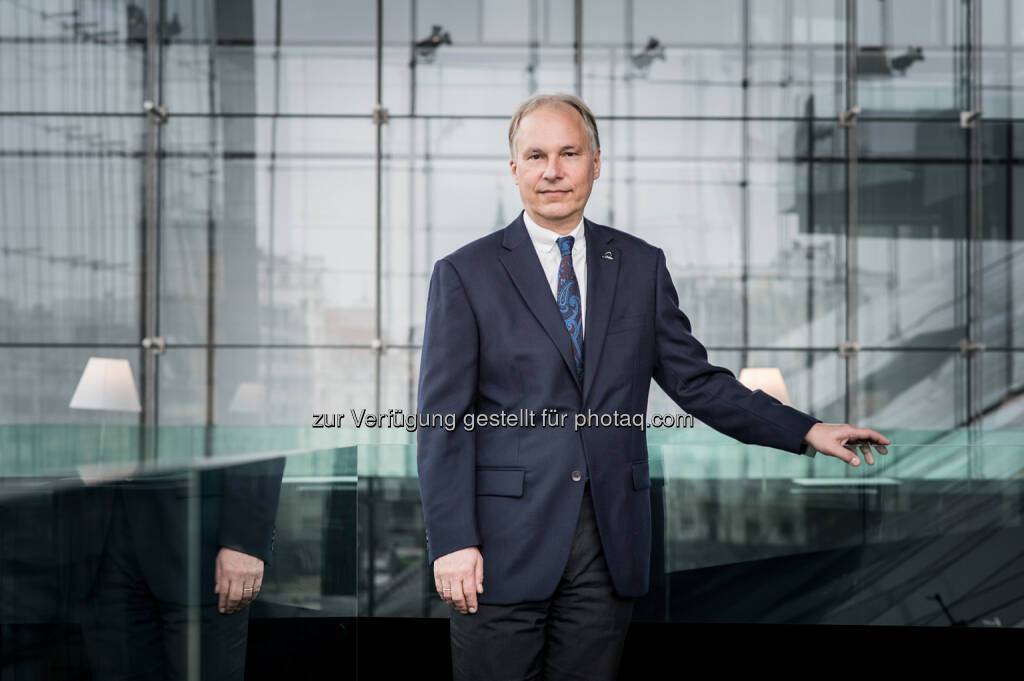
{"x":545,"y":239}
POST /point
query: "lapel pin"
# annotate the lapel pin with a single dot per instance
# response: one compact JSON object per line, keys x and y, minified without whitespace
{"x":608,"y":255}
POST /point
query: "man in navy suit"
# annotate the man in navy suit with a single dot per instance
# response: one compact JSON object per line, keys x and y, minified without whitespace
{"x":568,"y":319}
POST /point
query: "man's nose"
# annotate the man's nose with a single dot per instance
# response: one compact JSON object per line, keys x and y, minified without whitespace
{"x":553,"y":169}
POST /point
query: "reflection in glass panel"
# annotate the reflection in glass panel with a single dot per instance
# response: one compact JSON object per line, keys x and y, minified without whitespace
{"x":289,"y":206}
{"x":41,"y":432}
{"x":919,"y":389}
{"x":907,"y":56}
{"x":265,"y":386}
{"x":49,"y":63}
{"x":70,"y":208}
{"x":291,"y":223}
{"x":912,"y":221}
{"x":795,"y":288}
{"x":479,"y":58}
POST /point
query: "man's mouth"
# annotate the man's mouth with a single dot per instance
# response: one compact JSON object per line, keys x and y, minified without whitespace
{"x":554,"y":191}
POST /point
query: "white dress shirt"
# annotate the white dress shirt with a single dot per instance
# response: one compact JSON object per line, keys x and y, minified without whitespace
{"x":545,"y":241}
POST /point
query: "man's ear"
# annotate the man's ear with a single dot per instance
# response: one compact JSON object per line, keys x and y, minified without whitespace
{"x":597,"y":164}
{"x":515,"y":174}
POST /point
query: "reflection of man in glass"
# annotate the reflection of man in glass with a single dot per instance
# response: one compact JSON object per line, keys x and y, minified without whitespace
{"x":138,"y":606}
{"x":556,"y":313}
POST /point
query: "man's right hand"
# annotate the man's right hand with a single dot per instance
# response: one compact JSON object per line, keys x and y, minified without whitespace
{"x":459,"y":577}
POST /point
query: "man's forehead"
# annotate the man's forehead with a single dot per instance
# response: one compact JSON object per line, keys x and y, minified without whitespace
{"x":532,"y":127}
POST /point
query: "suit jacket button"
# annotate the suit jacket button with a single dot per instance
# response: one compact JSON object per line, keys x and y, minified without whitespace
{"x":577,"y":476}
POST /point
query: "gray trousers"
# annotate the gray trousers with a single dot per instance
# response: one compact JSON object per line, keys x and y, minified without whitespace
{"x":577,"y":633}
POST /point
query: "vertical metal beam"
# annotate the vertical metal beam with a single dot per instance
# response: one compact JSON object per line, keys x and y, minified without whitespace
{"x":211,"y":232}
{"x":745,"y":187}
{"x":150,"y":233}
{"x":578,"y":47}
{"x":975,"y":252}
{"x":379,"y":119}
{"x":852,"y":388}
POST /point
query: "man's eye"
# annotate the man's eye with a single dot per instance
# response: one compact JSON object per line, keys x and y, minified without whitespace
{"x":570,"y":153}
{"x":532,"y":156}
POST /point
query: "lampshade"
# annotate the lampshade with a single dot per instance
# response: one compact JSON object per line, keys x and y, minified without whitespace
{"x":250,"y":397}
{"x":767,"y":379}
{"x":106,"y":384}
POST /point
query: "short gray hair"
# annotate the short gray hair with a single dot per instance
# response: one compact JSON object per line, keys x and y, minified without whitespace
{"x":557,"y":98}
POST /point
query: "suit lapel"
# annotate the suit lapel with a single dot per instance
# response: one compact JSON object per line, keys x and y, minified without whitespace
{"x":602,"y":275}
{"x":520,"y":260}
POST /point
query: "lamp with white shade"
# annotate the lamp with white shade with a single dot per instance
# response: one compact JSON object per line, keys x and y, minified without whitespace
{"x":106,"y":384}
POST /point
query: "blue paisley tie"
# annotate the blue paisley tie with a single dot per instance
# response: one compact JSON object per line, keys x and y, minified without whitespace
{"x":569,"y":303}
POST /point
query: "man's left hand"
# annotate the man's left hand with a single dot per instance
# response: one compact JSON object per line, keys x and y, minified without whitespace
{"x":830,"y":438}
{"x":239,"y":577}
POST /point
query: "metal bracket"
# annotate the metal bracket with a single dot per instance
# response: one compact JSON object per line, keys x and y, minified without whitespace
{"x":155,"y":344}
{"x":157,"y":114}
{"x":969,"y":348}
{"x":848,"y":118}
{"x":848,"y":348}
{"x":969,"y":119}
{"x":378,"y":346}
{"x":381,"y":115}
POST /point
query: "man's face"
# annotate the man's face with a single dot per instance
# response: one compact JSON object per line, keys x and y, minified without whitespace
{"x":554,"y":166}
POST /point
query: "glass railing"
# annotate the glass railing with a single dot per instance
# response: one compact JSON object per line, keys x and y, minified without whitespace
{"x":928,"y":536}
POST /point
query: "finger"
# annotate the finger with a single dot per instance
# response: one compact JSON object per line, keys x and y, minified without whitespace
{"x":869,"y":435}
{"x":234,"y":595}
{"x":222,"y":589}
{"x":458,"y":597}
{"x":469,"y":588}
{"x":480,"y":575}
{"x":446,"y":593}
{"x":865,"y":451}
{"x":845,"y":454}
{"x":258,"y":585}
{"x":216,"y":577}
{"x":247,"y":593}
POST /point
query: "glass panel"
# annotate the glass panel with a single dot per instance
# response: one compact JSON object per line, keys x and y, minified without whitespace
{"x":486,"y":59}
{"x":795,"y":291}
{"x":907,"y":57}
{"x":41,"y":431}
{"x":230,"y":59}
{"x":290,"y":204}
{"x":277,"y":389}
{"x":921,"y":389}
{"x":912,"y":221}
{"x":63,"y":58}
{"x":70,"y":209}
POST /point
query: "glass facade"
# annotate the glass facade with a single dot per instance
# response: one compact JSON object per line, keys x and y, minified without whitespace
{"x":244,"y":199}
{"x":267,"y":234}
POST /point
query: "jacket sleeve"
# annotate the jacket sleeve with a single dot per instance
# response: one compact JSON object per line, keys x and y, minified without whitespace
{"x":249,"y":513}
{"x":712,"y":393}
{"x":446,"y":457}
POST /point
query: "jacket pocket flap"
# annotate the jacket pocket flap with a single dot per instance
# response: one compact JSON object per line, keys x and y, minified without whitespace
{"x":505,"y":482}
{"x":641,"y":475}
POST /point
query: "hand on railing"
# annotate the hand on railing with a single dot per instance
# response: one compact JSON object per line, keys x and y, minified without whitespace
{"x":832,"y":438}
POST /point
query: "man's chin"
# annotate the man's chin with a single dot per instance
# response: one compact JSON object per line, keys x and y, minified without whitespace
{"x":553,"y":215}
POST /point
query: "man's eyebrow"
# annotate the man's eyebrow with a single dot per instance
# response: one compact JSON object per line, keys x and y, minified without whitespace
{"x":539,"y":150}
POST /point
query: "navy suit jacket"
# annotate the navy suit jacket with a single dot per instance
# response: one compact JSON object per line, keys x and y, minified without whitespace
{"x":494,"y":341}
